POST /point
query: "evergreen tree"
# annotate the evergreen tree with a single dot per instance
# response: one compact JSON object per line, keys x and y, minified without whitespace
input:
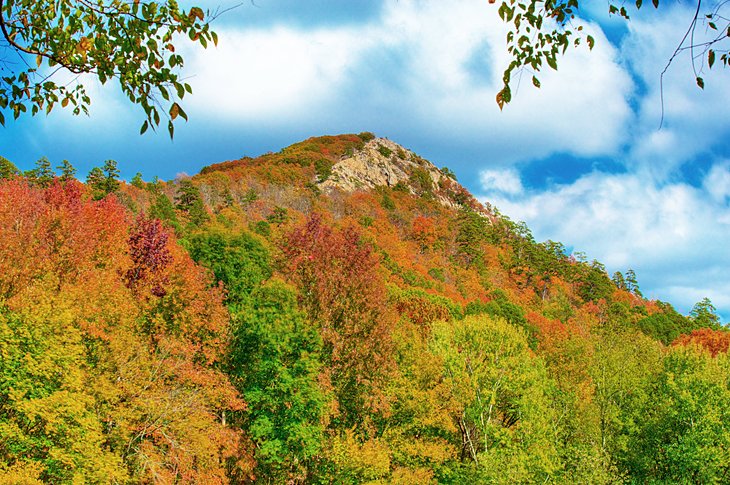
{"x":631,"y":283}
{"x":7,"y":169}
{"x":95,"y":180}
{"x":618,"y":280}
{"x":188,"y":200}
{"x":68,"y":172}
{"x":42,"y":175}
{"x":137,"y":181}
{"x":103,"y":181}
{"x":704,"y":314}
{"x":111,"y":176}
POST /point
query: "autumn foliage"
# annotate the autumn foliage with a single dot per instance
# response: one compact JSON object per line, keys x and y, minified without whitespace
{"x":714,"y":341}
{"x":247,"y":325}
{"x":111,"y":386}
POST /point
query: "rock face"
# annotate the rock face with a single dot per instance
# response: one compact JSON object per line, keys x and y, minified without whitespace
{"x":382,"y":162}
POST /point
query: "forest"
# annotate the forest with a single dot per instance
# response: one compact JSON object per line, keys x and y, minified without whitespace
{"x":259,"y":323}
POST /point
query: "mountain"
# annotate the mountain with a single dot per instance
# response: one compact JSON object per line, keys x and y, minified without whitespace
{"x":341,"y":311}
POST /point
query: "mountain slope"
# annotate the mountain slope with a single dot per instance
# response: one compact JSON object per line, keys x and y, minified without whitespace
{"x":341,"y":311}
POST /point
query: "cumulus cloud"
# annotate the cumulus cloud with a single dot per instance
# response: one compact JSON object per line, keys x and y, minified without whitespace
{"x":673,"y":234}
{"x":505,"y":181}
{"x":695,"y":120}
{"x":271,"y":73}
{"x":717,"y":182}
{"x":448,"y":60}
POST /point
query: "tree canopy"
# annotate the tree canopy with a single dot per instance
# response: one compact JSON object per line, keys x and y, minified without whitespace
{"x":133,"y":42}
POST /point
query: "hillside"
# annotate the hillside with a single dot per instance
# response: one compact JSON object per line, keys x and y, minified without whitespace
{"x":341,"y":311}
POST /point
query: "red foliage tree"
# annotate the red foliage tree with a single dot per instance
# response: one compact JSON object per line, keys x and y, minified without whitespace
{"x":150,"y":255}
{"x":341,"y":290}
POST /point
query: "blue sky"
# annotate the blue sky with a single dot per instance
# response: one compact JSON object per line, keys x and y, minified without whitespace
{"x":581,"y":160}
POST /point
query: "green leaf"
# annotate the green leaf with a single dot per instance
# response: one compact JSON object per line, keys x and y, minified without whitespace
{"x":171,"y":129}
{"x":535,"y":82}
{"x":700,"y":82}
{"x":711,"y":57}
{"x":145,"y":125}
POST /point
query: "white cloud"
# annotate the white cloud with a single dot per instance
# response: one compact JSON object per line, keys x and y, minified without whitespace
{"x":717,"y":182}
{"x":502,"y":181}
{"x":292,"y":74}
{"x":673,"y":235}
{"x":695,"y":120}
{"x":271,"y":73}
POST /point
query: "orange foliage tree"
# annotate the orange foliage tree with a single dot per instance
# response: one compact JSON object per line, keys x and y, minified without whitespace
{"x":714,"y":341}
{"x":99,"y":379}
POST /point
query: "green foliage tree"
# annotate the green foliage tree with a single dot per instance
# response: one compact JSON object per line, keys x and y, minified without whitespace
{"x":632,"y":283}
{"x":704,"y":314}
{"x":503,"y":407}
{"x":513,"y":314}
{"x":132,"y":42}
{"x":622,"y":366}
{"x":278,"y":216}
{"x":103,"y":181}
{"x":540,"y":31}
{"x":95,"y":180}
{"x":7,"y":169}
{"x":163,"y":209}
{"x":48,"y":420}
{"x":685,"y":427}
{"x":161,"y":206}
{"x":42,"y":175}
{"x":274,"y":362}
{"x":137,"y":181}
{"x":593,"y":282}
{"x":471,"y":231}
{"x":619,"y":280}
{"x":68,"y":172}
{"x":667,"y":325}
{"x":188,"y":200}
{"x":240,"y":261}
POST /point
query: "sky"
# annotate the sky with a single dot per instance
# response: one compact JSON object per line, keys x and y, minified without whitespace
{"x":582,"y":160}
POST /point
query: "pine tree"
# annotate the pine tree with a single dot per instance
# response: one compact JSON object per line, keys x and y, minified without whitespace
{"x":631,"y":284}
{"x":188,"y":200}
{"x":42,"y":175}
{"x":7,"y":169}
{"x":137,"y":181}
{"x":618,"y":280}
{"x":111,"y":176}
{"x":68,"y":172}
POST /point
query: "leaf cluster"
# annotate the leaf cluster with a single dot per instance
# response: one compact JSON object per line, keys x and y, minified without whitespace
{"x":132,"y":42}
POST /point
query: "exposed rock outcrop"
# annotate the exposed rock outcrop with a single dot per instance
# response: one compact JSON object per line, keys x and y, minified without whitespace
{"x":381,"y":162}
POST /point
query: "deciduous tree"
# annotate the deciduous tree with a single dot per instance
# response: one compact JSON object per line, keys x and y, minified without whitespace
{"x":132,"y":42}
{"x":540,"y":31}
